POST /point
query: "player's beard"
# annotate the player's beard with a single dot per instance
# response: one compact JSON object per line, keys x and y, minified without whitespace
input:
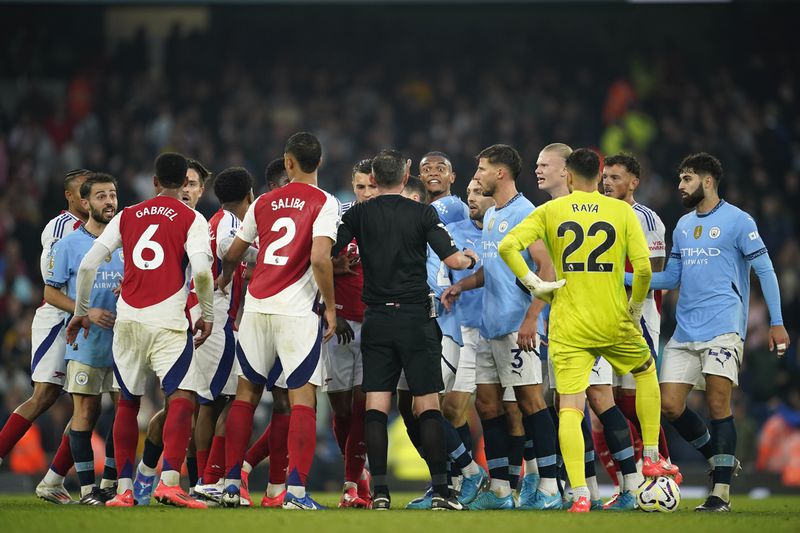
{"x":695,"y":198}
{"x":98,"y":216}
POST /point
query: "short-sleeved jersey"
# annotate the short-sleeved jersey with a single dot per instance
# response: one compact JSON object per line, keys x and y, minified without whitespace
{"x":66,"y":257}
{"x":225,"y":224}
{"x":158,"y":236}
{"x":714,"y":250}
{"x":588,"y":236}
{"x":286,"y":220}
{"x":348,"y":287}
{"x":439,"y":278}
{"x":655,"y":236}
{"x":451,"y":209}
{"x":55,"y":230}
{"x":505,"y":299}
{"x":467,"y":234}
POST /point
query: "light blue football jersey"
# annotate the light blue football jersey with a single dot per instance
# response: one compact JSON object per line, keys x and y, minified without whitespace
{"x":711,"y":253}
{"x":470,"y":303}
{"x":505,"y":299}
{"x":439,"y":278}
{"x":65,"y":258}
{"x":451,"y":209}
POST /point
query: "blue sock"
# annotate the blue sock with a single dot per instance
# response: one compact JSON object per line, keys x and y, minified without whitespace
{"x":618,"y":438}
{"x":81,"y":444}
{"x":516,"y":447}
{"x":495,"y":437}
{"x":723,"y":444}
{"x":540,"y":429}
{"x":692,"y":428}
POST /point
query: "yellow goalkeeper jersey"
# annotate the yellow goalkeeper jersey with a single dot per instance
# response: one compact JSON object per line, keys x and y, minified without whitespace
{"x":588,"y":237}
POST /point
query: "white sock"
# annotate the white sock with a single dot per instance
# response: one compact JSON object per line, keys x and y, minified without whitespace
{"x":86,"y":489}
{"x":580,"y":492}
{"x":471,"y":469}
{"x":548,"y":485}
{"x":619,"y":481}
{"x":594,"y":490}
{"x":298,"y":491}
{"x":146,"y":470}
{"x":123,"y":484}
{"x":723,"y":490}
{"x":274,"y":490}
{"x":531,"y":467}
{"x":51,"y":478}
{"x":105,"y":483}
{"x":171,"y":478}
{"x":500,"y":487}
{"x":247,"y":467}
{"x":631,"y":482}
{"x":349,"y":485}
{"x":651,"y":452}
{"x":235,"y":482}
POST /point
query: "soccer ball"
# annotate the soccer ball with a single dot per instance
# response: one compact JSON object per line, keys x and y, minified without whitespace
{"x":660,"y":494}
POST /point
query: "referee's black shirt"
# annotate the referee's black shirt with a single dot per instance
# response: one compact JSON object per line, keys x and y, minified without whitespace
{"x":392,"y":234}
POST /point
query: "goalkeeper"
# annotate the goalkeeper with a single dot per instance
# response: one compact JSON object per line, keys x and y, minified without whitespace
{"x":588,"y":237}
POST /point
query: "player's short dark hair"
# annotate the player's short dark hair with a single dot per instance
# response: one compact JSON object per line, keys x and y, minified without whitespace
{"x":201,"y":170}
{"x":362,"y":167}
{"x":72,"y":175}
{"x":388,"y":168}
{"x":275,"y":172}
{"x":414,"y":185}
{"x":171,"y":170}
{"x":96,"y":177}
{"x":306,"y":149}
{"x":436,"y":153}
{"x":702,"y":163}
{"x":503,"y":154}
{"x":626,"y":160}
{"x":233,"y":184}
{"x":584,"y":163}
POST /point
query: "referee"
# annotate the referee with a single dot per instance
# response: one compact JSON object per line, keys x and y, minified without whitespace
{"x":400,"y":331}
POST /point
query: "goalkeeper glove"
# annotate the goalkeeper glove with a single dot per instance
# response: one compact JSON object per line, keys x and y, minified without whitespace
{"x":635,"y":310}
{"x":542,"y":289}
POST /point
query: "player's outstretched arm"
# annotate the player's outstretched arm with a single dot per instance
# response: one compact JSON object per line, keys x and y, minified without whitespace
{"x":462,"y":260}
{"x":778,"y":337}
{"x":322,"y":268}
{"x":451,"y":293}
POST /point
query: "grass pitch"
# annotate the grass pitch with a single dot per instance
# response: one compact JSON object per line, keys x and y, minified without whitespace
{"x":26,"y":513}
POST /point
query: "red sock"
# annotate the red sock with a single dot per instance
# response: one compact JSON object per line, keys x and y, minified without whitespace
{"x":259,"y":450}
{"x":638,"y":447}
{"x":177,"y":432}
{"x":302,"y":443}
{"x":238,"y":429}
{"x":15,"y":429}
{"x":278,"y":444}
{"x":202,"y":460}
{"x":356,"y":450}
{"x":126,"y":436}
{"x":341,"y":429}
{"x":62,"y":460}
{"x":627,"y":404}
{"x":663,"y":447}
{"x":215,"y":467}
{"x":602,"y":451}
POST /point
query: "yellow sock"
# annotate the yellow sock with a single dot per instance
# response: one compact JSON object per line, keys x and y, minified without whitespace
{"x":572,"y":448}
{"x":648,"y":404}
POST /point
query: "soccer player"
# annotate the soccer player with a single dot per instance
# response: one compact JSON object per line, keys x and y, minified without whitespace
{"x":89,"y":360}
{"x":48,"y":346}
{"x":143,"y":485}
{"x":588,"y":236}
{"x":343,"y":364}
{"x":296,"y":228}
{"x":157,"y":236}
{"x":714,"y":247}
{"x":620,"y":179}
{"x":510,"y":320}
{"x":436,"y":173}
{"x":215,"y":358}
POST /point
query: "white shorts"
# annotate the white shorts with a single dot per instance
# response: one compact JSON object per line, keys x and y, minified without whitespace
{"x":451,"y":353}
{"x":509,"y":395}
{"x":508,"y":365}
{"x":140,"y":349}
{"x":48,"y":346}
{"x":652,"y":335}
{"x":474,"y":344}
{"x":88,"y":380}
{"x":602,"y":373}
{"x":274,"y":344}
{"x":689,"y":362}
{"x":214,"y":363}
{"x":343,"y":367}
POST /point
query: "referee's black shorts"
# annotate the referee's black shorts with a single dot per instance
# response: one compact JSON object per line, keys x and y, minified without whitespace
{"x":401,"y":337}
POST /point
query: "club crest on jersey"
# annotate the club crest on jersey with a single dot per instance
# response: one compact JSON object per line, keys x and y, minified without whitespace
{"x":714,"y":232}
{"x":121,"y":258}
{"x":698,"y":231}
{"x":503,"y":226}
